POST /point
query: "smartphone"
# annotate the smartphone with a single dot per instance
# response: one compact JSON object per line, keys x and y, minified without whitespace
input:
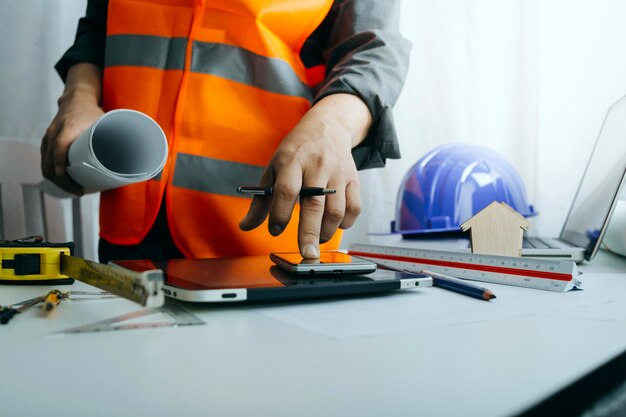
{"x":329,"y":262}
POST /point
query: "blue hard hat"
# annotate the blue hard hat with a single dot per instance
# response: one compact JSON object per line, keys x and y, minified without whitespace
{"x":453,"y":182}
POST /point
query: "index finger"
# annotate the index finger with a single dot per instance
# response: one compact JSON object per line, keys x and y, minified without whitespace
{"x":311,"y":215}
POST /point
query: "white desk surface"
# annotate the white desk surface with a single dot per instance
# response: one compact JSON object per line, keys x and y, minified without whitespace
{"x":426,"y":352}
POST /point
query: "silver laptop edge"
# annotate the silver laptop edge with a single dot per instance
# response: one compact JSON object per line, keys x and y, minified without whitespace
{"x":611,"y":121}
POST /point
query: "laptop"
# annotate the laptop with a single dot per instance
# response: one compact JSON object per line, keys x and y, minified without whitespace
{"x":595,"y":199}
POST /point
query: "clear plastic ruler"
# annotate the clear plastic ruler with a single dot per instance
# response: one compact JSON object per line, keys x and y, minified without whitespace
{"x":523,"y":272}
{"x":175,"y":316}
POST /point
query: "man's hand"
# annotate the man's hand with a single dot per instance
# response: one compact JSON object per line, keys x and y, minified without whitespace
{"x":79,"y":108}
{"x":316,"y":153}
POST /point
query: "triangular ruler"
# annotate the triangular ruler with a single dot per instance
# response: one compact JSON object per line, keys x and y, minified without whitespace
{"x":166,"y":316}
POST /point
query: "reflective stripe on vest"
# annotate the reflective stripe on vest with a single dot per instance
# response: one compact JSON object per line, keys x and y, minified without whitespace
{"x":225,"y":82}
{"x":220,"y":177}
{"x":145,"y":51}
{"x":237,"y":64}
{"x":226,"y":61}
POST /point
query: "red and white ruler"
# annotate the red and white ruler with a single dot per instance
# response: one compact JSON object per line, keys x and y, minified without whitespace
{"x":523,"y":272}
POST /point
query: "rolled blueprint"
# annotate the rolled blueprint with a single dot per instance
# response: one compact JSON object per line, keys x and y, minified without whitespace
{"x":122,"y":147}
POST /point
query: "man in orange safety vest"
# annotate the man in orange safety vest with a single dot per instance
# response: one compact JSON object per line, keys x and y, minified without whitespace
{"x":280,"y":93}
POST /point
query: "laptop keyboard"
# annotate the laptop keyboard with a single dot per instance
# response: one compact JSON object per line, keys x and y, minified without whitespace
{"x":536,"y":243}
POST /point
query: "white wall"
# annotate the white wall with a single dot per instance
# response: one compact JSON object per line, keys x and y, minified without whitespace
{"x":531,"y":79}
{"x":583,"y":71}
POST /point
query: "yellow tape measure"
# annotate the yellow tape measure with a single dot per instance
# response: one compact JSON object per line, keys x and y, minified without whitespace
{"x":32,"y":261}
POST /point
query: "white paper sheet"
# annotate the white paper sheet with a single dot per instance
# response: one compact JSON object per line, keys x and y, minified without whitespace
{"x":425,"y":310}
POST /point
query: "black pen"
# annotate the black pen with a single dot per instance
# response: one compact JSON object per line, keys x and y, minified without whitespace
{"x":304,"y":192}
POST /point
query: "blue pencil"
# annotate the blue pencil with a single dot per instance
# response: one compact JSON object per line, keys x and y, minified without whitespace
{"x":459,"y":286}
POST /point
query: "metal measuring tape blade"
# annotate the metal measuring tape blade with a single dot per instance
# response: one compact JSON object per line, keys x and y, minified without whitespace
{"x":523,"y":272}
{"x":178,"y":316}
{"x":145,"y":288}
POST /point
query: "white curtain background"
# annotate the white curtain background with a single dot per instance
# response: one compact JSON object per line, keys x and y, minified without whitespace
{"x":34,"y":35}
{"x":530,"y":79}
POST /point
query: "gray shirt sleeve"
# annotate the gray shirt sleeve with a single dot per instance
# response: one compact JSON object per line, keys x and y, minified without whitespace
{"x":365,"y":55}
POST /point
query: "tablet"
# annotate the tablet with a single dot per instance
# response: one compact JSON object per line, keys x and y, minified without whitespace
{"x":256,"y":278}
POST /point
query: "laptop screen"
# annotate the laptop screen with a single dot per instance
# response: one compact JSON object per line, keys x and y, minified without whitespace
{"x":600,"y":185}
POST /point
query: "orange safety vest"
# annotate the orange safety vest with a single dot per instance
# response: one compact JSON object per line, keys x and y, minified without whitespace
{"x":224,"y":80}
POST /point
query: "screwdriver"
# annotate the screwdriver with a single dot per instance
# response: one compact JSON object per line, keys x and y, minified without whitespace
{"x":53,"y":299}
{"x":50,"y":300}
{"x":7,"y":313}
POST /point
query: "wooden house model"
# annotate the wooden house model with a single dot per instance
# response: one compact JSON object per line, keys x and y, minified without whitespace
{"x":497,"y":230}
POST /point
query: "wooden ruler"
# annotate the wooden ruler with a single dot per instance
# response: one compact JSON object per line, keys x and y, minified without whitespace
{"x":523,"y":272}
